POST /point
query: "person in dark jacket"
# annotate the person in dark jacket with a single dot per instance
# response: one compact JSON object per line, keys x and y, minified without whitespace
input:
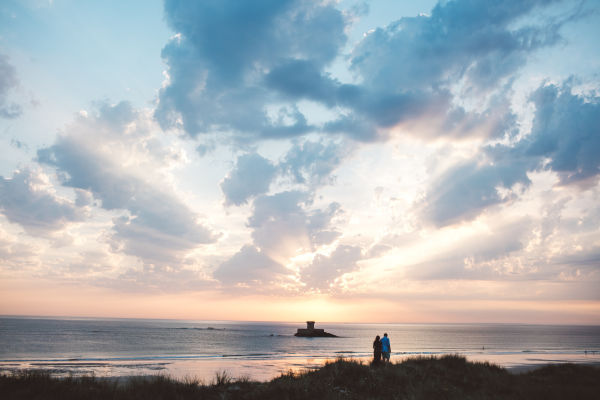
{"x":376,"y":350}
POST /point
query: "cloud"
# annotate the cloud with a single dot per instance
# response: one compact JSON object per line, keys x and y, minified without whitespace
{"x":410,"y":70}
{"x":8,"y":81}
{"x":16,"y":255}
{"x":309,"y":163}
{"x":566,"y":130}
{"x":282,"y":225}
{"x":467,"y":189}
{"x":28,"y":200}
{"x":553,"y":239}
{"x":230,"y":36}
{"x":312,"y":162}
{"x":108,"y":156}
{"x":303,"y":79}
{"x":222,"y":53}
{"x":251,"y":176}
{"x":116,"y":116}
{"x":155,"y":278}
{"x":479,"y":256}
{"x":460,"y":39}
{"x":242,"y":70}
{"x":410,"y":67}
{"x":250,"y":266}
{"x":564,"y":138}
{"x":324,"y":270}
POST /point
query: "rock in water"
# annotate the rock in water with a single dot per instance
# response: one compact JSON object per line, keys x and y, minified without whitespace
{"x":310,"y":331}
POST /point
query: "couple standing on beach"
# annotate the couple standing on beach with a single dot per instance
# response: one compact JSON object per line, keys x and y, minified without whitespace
{"x":381,"y":347}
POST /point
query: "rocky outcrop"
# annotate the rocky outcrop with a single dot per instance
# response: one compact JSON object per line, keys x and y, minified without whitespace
{"x":310,"y":331}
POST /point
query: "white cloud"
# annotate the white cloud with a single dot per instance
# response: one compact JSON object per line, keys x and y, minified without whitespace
{"x":115,"y":157}
{"x":28,"y":200}
{"x":323,"y":271}
{"x":251,"y":176}
{"x":250,"y":266}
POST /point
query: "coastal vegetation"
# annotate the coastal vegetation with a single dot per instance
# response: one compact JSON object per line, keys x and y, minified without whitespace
{"x":448,"y":377}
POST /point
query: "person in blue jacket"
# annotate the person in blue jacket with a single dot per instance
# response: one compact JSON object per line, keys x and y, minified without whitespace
{"x":386,"y":347}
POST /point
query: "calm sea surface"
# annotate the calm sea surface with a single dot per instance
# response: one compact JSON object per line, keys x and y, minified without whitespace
{"x":264,"y":350}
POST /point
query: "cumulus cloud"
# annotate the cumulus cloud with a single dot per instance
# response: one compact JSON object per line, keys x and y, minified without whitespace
{"x":223,"y":52}
{"x":408,"y":74}
{"x":566,"y":129}
{"x":410,"y":67}
{"x":466,"y":39}
{"x":517,"y":251}
{"x":308,"y":163}
{"x":282,"y":225}
{"x":28,"y":200}
{"x":324,"y":270}
{"x":250,"y":266}
{"x":8,"y":81}
{"x":312,"y":162}
{"x":16,"y":254}
{"x":465,"y":190}
{"x":244,"y":69}
{"x":154,"y":277}
{"x":479,"y":256}
{"x":564,"y":138}
{"x":105,"y":155}
{"x":409,"y":70}
{"x":251,"y":176}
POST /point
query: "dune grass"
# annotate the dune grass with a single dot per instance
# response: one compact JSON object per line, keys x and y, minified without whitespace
{"x":448,"y":377}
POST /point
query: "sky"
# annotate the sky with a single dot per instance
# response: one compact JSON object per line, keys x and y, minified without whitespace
{"x":287,"y":160}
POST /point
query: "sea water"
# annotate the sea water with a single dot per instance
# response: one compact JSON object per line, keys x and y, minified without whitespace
{"x":263,"y":350}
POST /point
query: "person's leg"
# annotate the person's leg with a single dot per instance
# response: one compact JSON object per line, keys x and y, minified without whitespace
{"x":376,"y":358}
{"x":386,"y":356}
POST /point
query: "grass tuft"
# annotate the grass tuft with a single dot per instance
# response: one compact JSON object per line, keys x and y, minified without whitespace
{"x":222,"y":378}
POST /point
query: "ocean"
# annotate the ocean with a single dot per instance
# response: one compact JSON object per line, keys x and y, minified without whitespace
{"x":263,"y":350}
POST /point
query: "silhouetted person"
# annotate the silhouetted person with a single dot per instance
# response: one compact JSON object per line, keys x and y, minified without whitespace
{"x":376,"y":351}
{"x":386,"y":348}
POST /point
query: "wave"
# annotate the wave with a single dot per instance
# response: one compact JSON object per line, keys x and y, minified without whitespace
{"x":107,"y":359}
{"x":249,"y":356}
{"x":209,"y":328}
